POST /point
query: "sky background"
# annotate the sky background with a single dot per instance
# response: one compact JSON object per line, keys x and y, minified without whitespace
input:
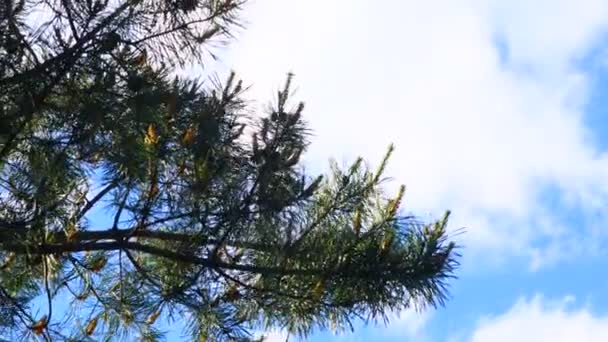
{"x":497,"y":111}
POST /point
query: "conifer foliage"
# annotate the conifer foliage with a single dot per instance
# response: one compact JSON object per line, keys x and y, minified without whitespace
{"x":130,"y":197}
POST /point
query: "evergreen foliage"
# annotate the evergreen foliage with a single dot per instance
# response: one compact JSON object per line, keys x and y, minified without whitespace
{"x":212,"y":219}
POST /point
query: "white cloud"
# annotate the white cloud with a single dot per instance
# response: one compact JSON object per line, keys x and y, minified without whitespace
{"x":276,"y":336}
{"x":549,"y":33}
{"x":404,"y":326}
{"x":409,"y":325}
{"x":474,"y":133}
{"x":541,"y":320}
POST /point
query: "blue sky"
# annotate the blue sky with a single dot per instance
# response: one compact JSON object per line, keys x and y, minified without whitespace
{"x":498,"y":112}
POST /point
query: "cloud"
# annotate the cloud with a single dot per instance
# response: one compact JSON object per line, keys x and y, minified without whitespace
{"x":543,"y":320}
{"x":484,"y":100}
{"x":530,"y":30}
{"x":276,"y":336}
{"x":409,"y":325}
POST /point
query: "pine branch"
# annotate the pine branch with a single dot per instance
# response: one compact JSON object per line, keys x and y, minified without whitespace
{"x":96,"y":199}
{"x":69,"y":55}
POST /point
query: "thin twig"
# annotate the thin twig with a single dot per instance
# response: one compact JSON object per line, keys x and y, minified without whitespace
{"x":96,"y":199}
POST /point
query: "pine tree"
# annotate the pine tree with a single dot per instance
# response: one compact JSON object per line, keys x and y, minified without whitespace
{"x":208,"y":215}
